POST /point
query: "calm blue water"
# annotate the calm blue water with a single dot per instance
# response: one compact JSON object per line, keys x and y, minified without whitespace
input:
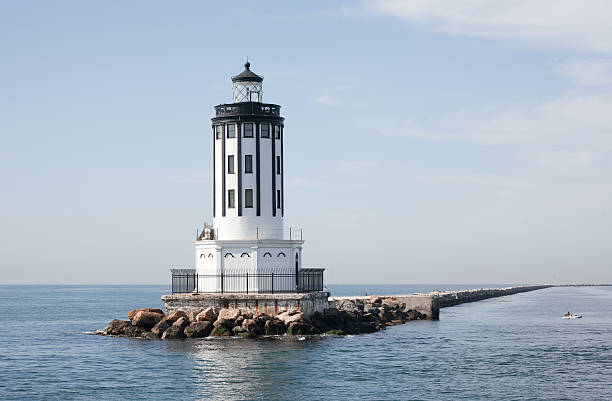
{"x":515,"y":347}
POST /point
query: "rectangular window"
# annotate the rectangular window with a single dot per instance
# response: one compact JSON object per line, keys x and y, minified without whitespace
{"x":278,"y":199}
{"x":248,"y":164}
{"x":231,"y":201}
{"x":231,"y":131}
{"x":248,"y":198}
{"x":248,"y":130}
{"x":278,"y":165}
{"x":219,"y":132}
{"x":265,"y":130}
{"x":230,"y":164}
{"x":277,"y":132}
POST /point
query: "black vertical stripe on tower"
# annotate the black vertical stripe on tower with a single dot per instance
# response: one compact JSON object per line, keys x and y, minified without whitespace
{"x":273,"y":140}
{"x":257,"y":182}
{"x":239,"y":172}
{"x":223,"y":171}
{"x":282,"y":171}
{"x":214,"y":174}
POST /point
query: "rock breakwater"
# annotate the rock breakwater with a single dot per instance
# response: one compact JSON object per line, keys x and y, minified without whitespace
{"x":350,"y":316}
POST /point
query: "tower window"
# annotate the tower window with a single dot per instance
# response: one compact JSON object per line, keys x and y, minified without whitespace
{"x":231,"y":131}
{"x":265,"y":130}
{"x":278,"y":199}
{"x":219,"y":132}
{"x":230,"y":164}
{"x":248,"y":164}
{"x":278,"y":165}
{"x":277,"y":132}
{"x":248,"y":198}
{"x":248,"y":130}
{"x":231,"y":199}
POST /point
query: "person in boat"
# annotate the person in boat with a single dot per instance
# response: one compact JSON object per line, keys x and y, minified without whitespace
{"x":568,"y":314}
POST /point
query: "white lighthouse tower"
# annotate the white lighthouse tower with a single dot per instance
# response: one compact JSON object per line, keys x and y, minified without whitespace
{"x":248,"y":248}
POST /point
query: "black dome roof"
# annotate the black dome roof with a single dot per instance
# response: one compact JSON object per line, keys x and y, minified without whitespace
{"x":247,"y":75}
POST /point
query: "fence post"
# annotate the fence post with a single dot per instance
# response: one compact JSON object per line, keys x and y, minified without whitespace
{"x":247,"y":283}
{"x":272,"y":283}
{"x":221,"y":283}
{"x":289,"y":233}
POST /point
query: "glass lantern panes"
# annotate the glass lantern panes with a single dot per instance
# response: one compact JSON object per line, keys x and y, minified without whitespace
{"x":247,"y":92}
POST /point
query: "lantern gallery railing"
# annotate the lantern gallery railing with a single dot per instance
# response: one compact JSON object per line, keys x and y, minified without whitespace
{"x":254,"y":108}
{"x":307,"y":280}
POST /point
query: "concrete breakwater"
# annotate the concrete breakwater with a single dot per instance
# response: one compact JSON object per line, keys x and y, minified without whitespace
{"x":429,"y":304}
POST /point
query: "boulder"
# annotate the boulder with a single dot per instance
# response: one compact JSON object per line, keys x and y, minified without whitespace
{"x":239,"y":320}
{"x":198,"y":329}
{"x":193,"y":315}
{"x":228,"y":324}
{"x":133,"y":331}
{"x":182,"y":322}
{"x":210,"y":314}
{"x":375,"y":299}
{"x":146,"y":320}
{"x":174,"y":316}
{"x":133,"y":313}
{"x":275,"y":327}
{"x":250,"y":326}
{"x":385,"y":315}
{"x":117,"y":327}
{"x":220,"y":331}
{"x":148,"y":335}
{"x":229,"y":314}
{"x":173,"y":333}
{"x":412,"y":314}
{"x":391,"y":303}
{"x":319,"y":322}
{"x":261,"y":319}
{"x":366,"y":327}
{"x":288,"y":318}
{"x":159,"y":328}
{"x":300,"y":328}
{"x":369,"y":317}
{"x":237,"y":330}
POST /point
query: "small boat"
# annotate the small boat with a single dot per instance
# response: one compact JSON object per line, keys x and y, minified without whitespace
{"x":572,"y":316}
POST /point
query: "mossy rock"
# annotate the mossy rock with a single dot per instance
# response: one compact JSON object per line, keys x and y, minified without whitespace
{"x":149,"y":336}
{"x":300,"y":329}
{"x":335,"y":332}
{"x":220,"y":331}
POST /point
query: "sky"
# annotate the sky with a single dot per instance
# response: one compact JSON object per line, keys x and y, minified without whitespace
{"x":426,"y":141}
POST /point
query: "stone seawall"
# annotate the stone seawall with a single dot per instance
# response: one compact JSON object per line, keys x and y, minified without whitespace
{"x":270,"y":304}
{"x":429,"y":304}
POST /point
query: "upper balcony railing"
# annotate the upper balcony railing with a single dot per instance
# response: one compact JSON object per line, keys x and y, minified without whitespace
{"x":291,"y":233}
{"x":247,"y":108}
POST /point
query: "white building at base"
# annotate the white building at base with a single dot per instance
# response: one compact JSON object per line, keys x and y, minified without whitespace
{"x":248,"y":248}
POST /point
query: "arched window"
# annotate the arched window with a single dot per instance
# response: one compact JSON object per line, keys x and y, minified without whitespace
{"x":281,"y":253}
{"x":229,"y":254}
{"x":267,"y":254}
{"x":210,"y":255}
{"x":245,"y":254}
{"x":202,"y":256}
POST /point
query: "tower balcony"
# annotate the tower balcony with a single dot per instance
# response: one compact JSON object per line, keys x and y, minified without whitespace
{"x":247,"y":108}
{"x":257,"y":233}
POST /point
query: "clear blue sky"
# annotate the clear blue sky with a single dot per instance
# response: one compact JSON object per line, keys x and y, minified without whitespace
{"x":426,"y":142}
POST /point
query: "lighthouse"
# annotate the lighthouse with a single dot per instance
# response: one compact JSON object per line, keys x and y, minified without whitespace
{"x":248,"y":248}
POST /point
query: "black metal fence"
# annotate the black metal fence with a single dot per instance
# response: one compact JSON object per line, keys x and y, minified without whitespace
{"x":307,"y":280}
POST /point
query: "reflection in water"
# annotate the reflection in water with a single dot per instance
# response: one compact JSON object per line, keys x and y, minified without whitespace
{"x":247,"y":369}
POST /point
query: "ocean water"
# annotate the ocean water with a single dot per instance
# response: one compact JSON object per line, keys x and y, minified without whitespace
{"x":509,"y":348}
